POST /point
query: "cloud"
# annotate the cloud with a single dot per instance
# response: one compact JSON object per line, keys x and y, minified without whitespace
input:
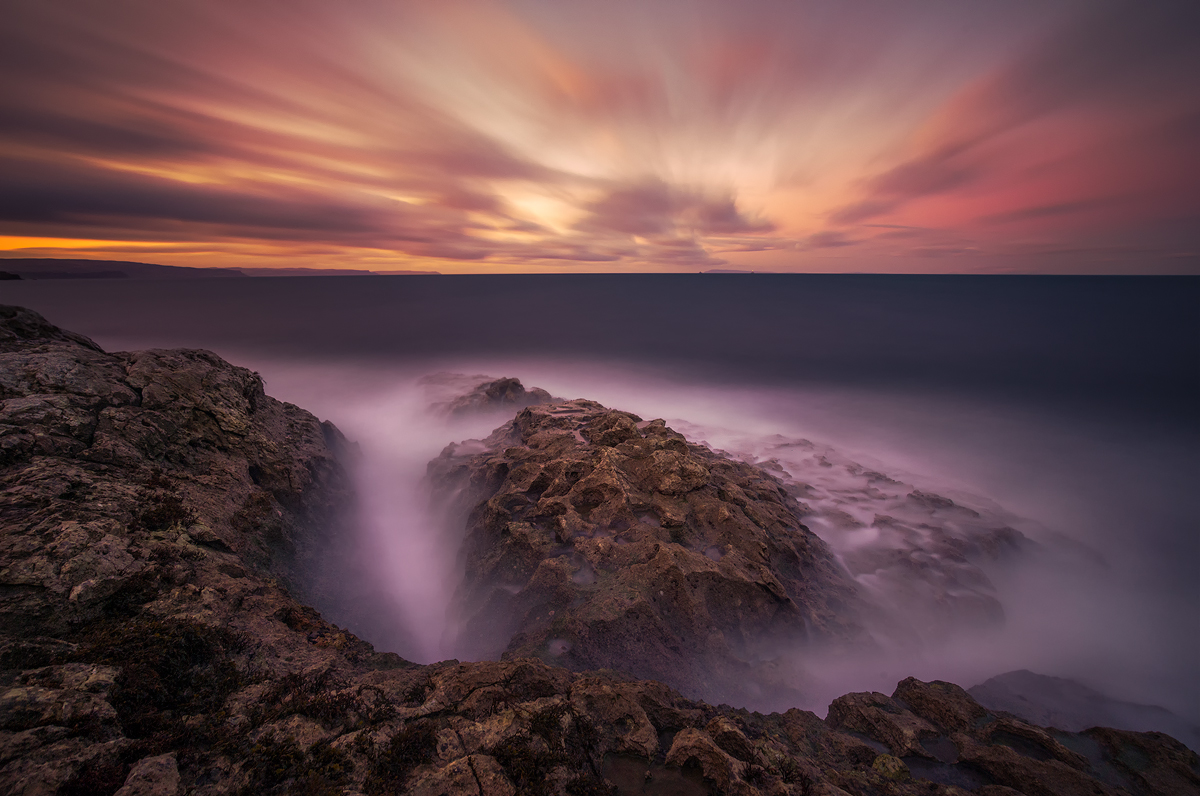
{"x":829,"y":239}
{"x":654,"y":208}
{"x":624,"y":133}
{"x":1122,"y":63}
{"x":1045,"y":211}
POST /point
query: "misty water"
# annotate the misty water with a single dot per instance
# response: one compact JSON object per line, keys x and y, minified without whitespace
{"x":1065,"y":408}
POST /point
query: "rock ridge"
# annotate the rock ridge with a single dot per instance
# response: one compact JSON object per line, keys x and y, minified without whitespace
{"x":595,"y":539}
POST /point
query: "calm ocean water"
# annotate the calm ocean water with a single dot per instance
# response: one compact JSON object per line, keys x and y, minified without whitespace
{"x":1132,"y":341}
{"x":1073,"y":402}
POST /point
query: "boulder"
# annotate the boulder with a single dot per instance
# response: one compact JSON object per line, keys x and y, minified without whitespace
{"x":598,"y":540}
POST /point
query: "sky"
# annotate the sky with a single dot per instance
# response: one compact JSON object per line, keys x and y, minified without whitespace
{"x":464,"y":137}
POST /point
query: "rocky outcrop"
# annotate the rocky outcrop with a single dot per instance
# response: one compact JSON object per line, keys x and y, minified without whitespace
{"x":122,"y":470}
{"x":598,"y":540}
{"x":936,"y":732}
{"x":153,"y":504}
{"x":492,"y":395}
{"x":923,"y":556}
{"x":1068,"y":705}
{"x":155,"y":508}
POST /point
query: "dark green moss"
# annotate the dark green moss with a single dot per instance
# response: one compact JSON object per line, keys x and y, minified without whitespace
{"x":161,"y":507}
{"x":416,"y":693}
{"x":276,"y":766}
{"x":526,"y":766}
{"x":413,"y":746}
{"x":169,"y":669}
{"x":790,"y":772}
{"x":133,"y":593}
{"x":548,"y":724}
{"x":257,"y":516}
{"x":100,"y":776}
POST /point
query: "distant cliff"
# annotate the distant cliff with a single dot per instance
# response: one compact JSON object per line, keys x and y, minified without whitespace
{"x":162,"y":519}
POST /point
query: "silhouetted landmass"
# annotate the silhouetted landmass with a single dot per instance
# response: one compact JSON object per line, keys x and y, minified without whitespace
{"x":53,"y":268}
{"x":305,"y":272}
{"x":49,"y":268}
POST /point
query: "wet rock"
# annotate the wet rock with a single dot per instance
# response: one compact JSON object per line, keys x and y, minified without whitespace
{"x":493,"y":395}
{"x":927,"y":558}
{"x":596,"y":540}
{"x":883,"y":719}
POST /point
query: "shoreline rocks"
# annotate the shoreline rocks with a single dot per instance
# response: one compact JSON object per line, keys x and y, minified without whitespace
{"x":597,"y":540}
{"x":155,"y":507}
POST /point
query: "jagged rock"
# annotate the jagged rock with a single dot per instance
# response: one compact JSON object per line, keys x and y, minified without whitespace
{"x":695,"y":747}
{"x":945,"y":704}
{"x":185,"y":667}
{"x":474,"y":774}
{"x":942,"y":734}
{"x":152,"y":776}
{"x":495,"y":394}
{"x":732,"y":740}
{"x":891,"y":767}
{"x":882,"y":718}
{"x":597,"y":540}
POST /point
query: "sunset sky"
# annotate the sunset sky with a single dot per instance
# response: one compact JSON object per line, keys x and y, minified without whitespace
{"x":604,"y":136}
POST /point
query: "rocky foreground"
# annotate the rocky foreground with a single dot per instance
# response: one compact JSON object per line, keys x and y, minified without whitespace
{"x":162,"y":522}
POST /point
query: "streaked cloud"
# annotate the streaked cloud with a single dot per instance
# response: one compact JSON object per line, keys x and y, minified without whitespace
{"x":626,"y":136}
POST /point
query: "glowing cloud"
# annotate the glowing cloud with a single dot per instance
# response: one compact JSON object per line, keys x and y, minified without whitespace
{"x":628,"y":136}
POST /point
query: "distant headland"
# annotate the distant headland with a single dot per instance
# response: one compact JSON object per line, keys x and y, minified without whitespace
{"x":52,"y":268}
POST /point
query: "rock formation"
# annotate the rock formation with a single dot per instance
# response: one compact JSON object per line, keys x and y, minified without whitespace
{"x":925,"y":556}
{"x":155,"y":506}
{"x":597,"y":540}
{"x":486,"y":395}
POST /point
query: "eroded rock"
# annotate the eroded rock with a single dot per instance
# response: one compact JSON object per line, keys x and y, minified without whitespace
{"x":596,"y":540}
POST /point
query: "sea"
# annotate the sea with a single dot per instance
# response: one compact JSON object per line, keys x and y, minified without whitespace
{"x":1067,"y":408}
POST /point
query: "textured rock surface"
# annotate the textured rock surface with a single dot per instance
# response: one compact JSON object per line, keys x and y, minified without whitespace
{"x":490,"y":395}
{"x":126,"y":472}
{"x":596,"y":540}
{"x":182,"y":666}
